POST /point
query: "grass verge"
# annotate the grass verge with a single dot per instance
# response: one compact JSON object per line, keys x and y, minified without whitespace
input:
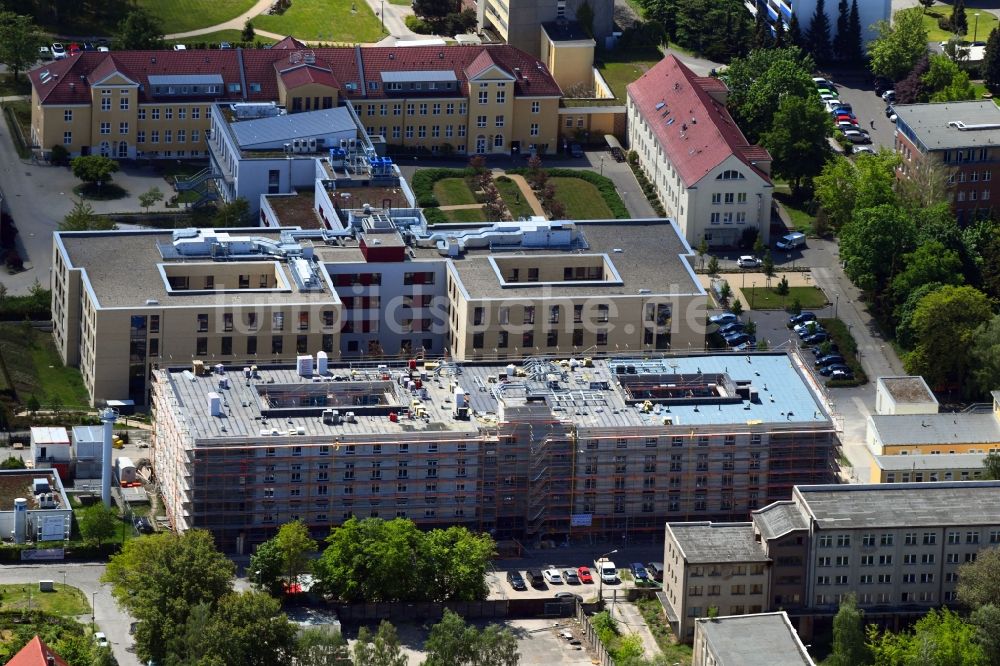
{"x":620,"y":68}
{"x":453,"y":192}
{"x":798,"y":211}
{"x":987,"y":23}
{"x":231,"y":36}
{"x":848,"y":349}
{"x":466,"y":215}
{"x":581,"y":199}
{"x":652,"y":613}
{"x":326,"y":21}
{"x":183,"y":15}
{"x":513,"y":198}
{"x":767,"y":298}
{"x":613,"y":206}
{"x":66,"y":600}
{"x":35,"y":368}
{"x":18,"y":117}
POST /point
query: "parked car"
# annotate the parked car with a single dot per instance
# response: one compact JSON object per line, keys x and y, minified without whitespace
{"x":741,"y":339}
{"x":101,"y":639}
{"x":655,"y":570}
{"x":823,"y":83}
{"x":732,"y":327}
{"x":832,"y":368}
{"x":571,"y":577}
{"x":73,"y":49}
{"x":732,"y":335}
{"x":638,"y":571}
{"x":828,"y":360}
{"x":889,"y":96}
{"x":791,"y":241}
{"x":857,"y":136}
{"x":88,"y":46}
{"x":857,"y":150}
{"x":180,"y":47}
{"x":103,"y":49}
{"x":748,"y":261}
{"x":516,"y":580}
{"x":536,"y":579}
{"x":58,"y":51}
{"x":44,"y":53}
{"x":576,"y":150}
{"x":889,"y":111}
{"x":722,"y":318}
{"x":845,"y":375}
{"x":225,"y":45}
{"x":806,"y":327}
{"x":844,"y":106}
{"x":552,"y":576}
{"x":584,"y":575}
{"x":568,"y":596}
{"x":809,"y":332}
{"x":830,"y":349}
{"x":801,"y":318}
{"x":816,"y":338}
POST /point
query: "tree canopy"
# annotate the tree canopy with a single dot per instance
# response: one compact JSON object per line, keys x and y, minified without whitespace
{"x":940,"y":638}
{"x":19,"y":42}
{"x":98,"y":523}
{"x":139,"y":31}
{"x":95,"y":169}
{"x":83,"y":218}
{"x":454,"y":643}
{"x":758,"y":83}
{"x":797,"y":139}
{"x":979,"y":581}
{"x":899,"y":45}
{"x":436,"y":565}
{"x":873,"y":243}
{"x":849,"y":647}
{"x":161,"y":577}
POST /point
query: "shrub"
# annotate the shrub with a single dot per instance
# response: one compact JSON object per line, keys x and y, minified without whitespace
{"x":59,"y":155}
{"x":419,"y":25}
{"x":435,"y":216}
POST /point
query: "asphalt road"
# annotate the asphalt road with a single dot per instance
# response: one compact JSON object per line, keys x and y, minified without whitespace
{"x":110,"y":619}
{"x":857,"y":89}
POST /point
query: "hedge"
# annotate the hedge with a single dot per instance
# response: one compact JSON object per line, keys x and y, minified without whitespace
{"x":435,"y":215}
{"x":842,"y":337}
{"x":423,"y":184}
{"x":35,"y":306}
{"x":603,"y":184}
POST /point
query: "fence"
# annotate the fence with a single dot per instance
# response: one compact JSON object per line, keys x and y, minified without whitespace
{"x":498,"y":609}
{"x":590,"y":635}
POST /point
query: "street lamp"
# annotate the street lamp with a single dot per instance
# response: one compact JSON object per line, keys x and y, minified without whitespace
{"x":600,"y":575}
{"x":602,"y":156}
{"x":836,"y":302}
{"x":975,"y":31}
{"x":753,"y":288}
{"x":93,"y":610}
{"x":382,"y":15}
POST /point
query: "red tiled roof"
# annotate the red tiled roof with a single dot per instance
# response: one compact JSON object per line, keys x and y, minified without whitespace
{"x":288,"y":43}
{"x":262,"y":66}
{"x":482,"y":62}
{"x":702,"y":134}
{"x":306,"y":74}
{"x":36,"y":653}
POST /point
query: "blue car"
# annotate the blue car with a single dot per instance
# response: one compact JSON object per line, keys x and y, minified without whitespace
{"x":816,"y":338}
{"x":638,"y":571}
{"x":731,"y":327}
{"x":801,"y":318}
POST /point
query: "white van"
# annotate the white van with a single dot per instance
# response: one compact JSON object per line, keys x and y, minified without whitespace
{"x":791,"y":241}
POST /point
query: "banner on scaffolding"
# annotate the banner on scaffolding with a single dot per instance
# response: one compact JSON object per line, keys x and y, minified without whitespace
{"x":581,"y":519}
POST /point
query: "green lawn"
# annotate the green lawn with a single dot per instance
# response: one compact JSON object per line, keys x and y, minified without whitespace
{"x":798,"y":210}
{"x":231,"y":36}
{"x":581,"y":199}
{"x":401,"y":3}
{"x":987,"y":22}
{"x":981,"y":90}
{"x":764,"y":298}
{"x":453,"y":192}
{"x":66,"y":601}
{"x":622,"y":68}
{"x":513,"y":199}
{"x":10,"y":87}
{"x":652,"y":613}
{"x":326,"y":21}
{"x":183,"y":15}
{"x":466,"y":215}
{"x":35,"y":368}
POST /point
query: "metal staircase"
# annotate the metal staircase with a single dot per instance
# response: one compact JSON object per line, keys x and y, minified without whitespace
{"x":202,"y":183}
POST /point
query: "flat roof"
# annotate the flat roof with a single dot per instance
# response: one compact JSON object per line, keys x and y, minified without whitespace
{"x":49,"y":435}
{"x":297,"y":209}
{"x":15,"y":483}
{"x":779,"y":518}
{"x":116,"y":284}
{"x":890,"y":505}
{"x":566,"y":31}
{"x":647,"y":254}
{"x":589,"y":397}
{"x":265,"y":132}
{"x":908,"y":390}
{"x":91,"y":433}
{"x":931,"y":123}
{"x":937,"y":461}
{"x":760,"y":639}
{"x":436,"y":75}
{"x":708,"y":543}
{"x":943,"y":429}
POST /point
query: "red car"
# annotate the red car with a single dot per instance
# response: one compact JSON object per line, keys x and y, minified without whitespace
{"x":584,"y":574}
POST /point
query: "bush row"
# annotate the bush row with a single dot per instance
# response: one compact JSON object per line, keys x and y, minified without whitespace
{"x":648,"y":189}
{"x":848,"y":349}
{"x":423,"y":184}
{"x":36,"y":306}
{"x":603,"y":184}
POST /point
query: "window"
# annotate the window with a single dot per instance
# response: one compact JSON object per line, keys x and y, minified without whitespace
{"x":730,"y":174}
{"x":277,"y":345}
{"x":536,"y":107}
{"x":278,"y":321}
{"x":168,"y":136}
{"x":106,"y":104}
{"x":123,"y":103}
{"x":105,"y":128}
{"x":67,"y":138}
{"x":181,"y":136}
{"x":887,"y":539}
{"x":202,"y":323}
{"x":484,"y":97}
{"x":930,"y":538}
{"x":501,"y":96}
{"x":499,"y":121}
{"x":156,"y":114}
{"x":140,"y":136}
{"x":423,"y":109}
{"x":154,"y":136}
{"x":68,"y":115}
{"x":202,"y":346}
{"x":123,"y":128}
{"x":480,"y":121}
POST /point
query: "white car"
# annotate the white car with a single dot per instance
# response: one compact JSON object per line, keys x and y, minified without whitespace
{"x":180,"y":47}
{"x":44,"y":53}
{"x":103,"y":49}
{"x":823,"y":83}
{"x":101,"y":639}
{"x":58,"y":51}
{"x":863,"y":149}
{"x":748,"y":261}
{"x":552,"y":576}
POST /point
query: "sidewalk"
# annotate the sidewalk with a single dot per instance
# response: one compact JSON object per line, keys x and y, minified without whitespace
{"x":528,"y":194}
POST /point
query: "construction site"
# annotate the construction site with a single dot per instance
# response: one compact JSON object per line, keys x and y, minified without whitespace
{"x":541,"y":452}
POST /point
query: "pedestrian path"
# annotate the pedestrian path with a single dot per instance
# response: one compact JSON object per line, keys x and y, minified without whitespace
{"x":461,"y":206}
{"x":528,"y":194}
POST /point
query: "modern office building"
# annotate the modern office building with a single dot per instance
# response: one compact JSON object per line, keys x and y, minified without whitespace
{"x":157,"y":104}
{"x":869,"y":13}
{"x":959,"y":137}
{"x":519,"y":22}
{"x":707,"y":175}
{"x":560,"y":449}
{"x":897,"y":547}
{"x":762,"y":639}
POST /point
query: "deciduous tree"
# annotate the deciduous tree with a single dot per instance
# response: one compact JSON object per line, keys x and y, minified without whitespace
{"x":19,"y":42}
{"x":944,"y":326}
{"x":150,"y":197}
{"x":139,"y":31}
{"x":986,"y":620}
{"x":979,"y":581}
{"x":873,"y":243}
{"x":95,"y":169}
{"x":159,"y":578}
{"x":235,"y":213}
{"x":267,"y":568}
{"x":295,"y":545}
{"x":930,"y":263}
{"x":991,"y":463}
{"x":318,"y":647}
{"x":797,"y":139}
{"x":760,"y":81}
{"x":939,"y":638}
{"x":83,"y":218}
{"x":381,"y":649}
{"x":899,"y":45}
{"x":249,"y":629}
{"x":849,"y":647}
{"x":454,"y":643}
{"x":98,"y":524}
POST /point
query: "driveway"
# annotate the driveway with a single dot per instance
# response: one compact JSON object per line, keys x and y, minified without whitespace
{"x":111,"y":619}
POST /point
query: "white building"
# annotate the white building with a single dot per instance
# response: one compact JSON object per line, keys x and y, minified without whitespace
{"x":48,"y":515}
{"x":706,"y":174}
{"x":257,"y":149}
{"x":88,"y":447}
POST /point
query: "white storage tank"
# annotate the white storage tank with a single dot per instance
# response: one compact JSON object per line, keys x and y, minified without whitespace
{"x":20,"y":519}
{"x":322,"y":364}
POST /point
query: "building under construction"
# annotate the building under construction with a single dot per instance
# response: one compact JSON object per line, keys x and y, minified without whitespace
{"x":561,"y":450}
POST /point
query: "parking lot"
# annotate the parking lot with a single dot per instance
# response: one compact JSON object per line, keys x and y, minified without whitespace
{"x":857,"y":90}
